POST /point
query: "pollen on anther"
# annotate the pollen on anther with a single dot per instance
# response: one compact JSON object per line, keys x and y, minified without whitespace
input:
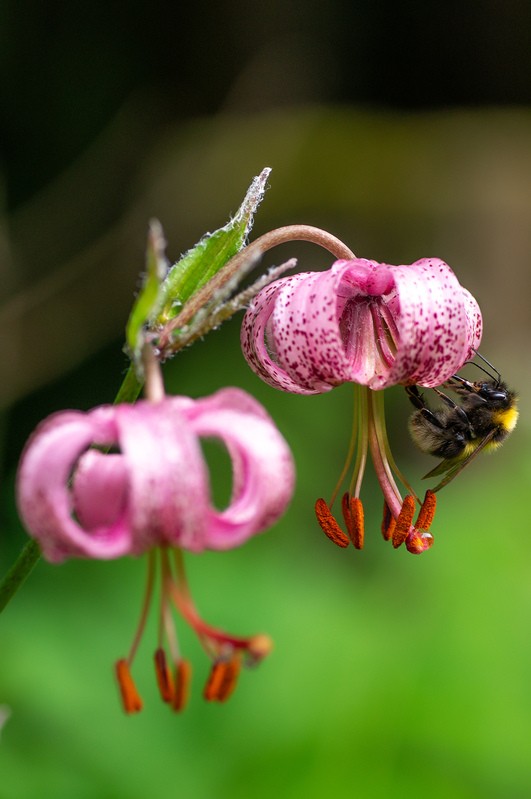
{"x":230,"y":679}
{"x":215,"y":678}
{"x":183,"y":677}
{"x":356,"y":528}
{"x":164,"y":676}
{"x":388,"y":522}
{"x":131,"y":701}
{"x":329,"y":525}
{"x":404,"y":521}
{"x":222,"y":680}
{"x":345,"y":509}
{"x":427,"y":511}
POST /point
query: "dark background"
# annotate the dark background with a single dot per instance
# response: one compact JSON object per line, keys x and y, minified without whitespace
{"x":68,"y":67}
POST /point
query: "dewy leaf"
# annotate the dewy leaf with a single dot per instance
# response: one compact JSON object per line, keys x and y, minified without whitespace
{"x":151,"y":295}
{"x":202,"y":262}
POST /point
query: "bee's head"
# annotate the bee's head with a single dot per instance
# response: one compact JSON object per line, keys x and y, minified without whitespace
{"x":494,"y":392}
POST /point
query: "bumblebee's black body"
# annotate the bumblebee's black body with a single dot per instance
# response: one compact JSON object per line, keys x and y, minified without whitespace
{"x":484,"y":417}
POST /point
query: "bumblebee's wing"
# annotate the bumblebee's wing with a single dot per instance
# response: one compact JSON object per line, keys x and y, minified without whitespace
{"x":452,"y":466}
{"x":444,"y":466}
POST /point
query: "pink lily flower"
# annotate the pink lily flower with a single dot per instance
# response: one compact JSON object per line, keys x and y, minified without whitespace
{"x":362,"y":322}
{"x":374,"y":325}
{"x":128,"y":479}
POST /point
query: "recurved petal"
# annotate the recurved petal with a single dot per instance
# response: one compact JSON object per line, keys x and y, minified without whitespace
{"x":474,"y":323}
{"x":262,"y":334}
{"x":263,"y":470}
{"x":438,"y":323}
{"x":167,"y":480}
{"x":44,"y":497}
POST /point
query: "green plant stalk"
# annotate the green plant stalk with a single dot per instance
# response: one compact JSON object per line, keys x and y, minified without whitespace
{"x":18,"y":572}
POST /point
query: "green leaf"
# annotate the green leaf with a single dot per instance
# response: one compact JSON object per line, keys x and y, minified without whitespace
{"x":202,"y":262}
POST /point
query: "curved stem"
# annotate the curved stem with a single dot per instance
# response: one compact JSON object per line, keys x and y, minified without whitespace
{"x":154,"y":390}
{"x":251,"y":254}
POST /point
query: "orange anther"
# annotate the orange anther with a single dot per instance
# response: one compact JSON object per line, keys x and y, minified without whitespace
{"x":404,"y":521}
{"x":388,"y":522}
{"x":426,"y":512}
{"x":329,"y":525}
{"x":131,"y":700}
{"x":222,"y":680}
{"x":164,"y":676}
{"x":215,"y":679}
{"x":345,"y":509}
{"x":183,"y":677}
{"x":356,"y":529}
{"x":230,"y":679}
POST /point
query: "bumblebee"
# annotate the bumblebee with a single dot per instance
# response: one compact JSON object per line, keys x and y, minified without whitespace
{"x":458,"y":431}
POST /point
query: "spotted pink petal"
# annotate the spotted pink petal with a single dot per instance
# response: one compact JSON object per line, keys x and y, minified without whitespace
{"x":263,"y":472}
{"x":364,"y":322}
{"x":44,"y":499}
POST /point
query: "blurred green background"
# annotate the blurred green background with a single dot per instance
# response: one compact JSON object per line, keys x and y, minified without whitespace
{"x":405,"y":131}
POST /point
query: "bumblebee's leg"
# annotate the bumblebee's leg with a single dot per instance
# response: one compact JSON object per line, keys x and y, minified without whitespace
{"x":457,"y":408}
{"x":416,"y":398}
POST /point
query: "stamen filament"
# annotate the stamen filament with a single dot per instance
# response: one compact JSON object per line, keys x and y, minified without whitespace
{"x":329,"y":525}
{"x":391,"y":330}
{"x":389,"y":488}
{"x":352,"y":444}
{"x":382,"y":336}
{"x":145,"y":607}
{"x":360,"y":397}
{"x":166,"y":623}
{"x":381,"y":431}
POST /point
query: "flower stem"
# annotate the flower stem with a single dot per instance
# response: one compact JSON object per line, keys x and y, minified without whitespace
{"x":247,"y":258}
{"x":18,"y":572}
